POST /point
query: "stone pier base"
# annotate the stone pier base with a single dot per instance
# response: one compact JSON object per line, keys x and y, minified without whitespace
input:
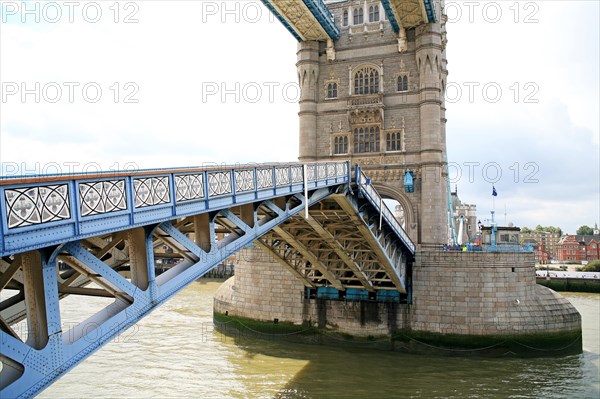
{"x":462,"y":302}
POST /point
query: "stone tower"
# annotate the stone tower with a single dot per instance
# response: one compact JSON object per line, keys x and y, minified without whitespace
{"x":376,"y":97}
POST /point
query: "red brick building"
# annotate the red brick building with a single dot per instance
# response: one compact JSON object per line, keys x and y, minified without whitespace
{"x":579,"y":248}
{"x":541,"y":255}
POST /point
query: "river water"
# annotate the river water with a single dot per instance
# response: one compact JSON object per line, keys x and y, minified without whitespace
{"x":175,"y":353}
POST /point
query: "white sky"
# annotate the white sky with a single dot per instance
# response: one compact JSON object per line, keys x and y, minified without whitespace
{"x":176,"y":57}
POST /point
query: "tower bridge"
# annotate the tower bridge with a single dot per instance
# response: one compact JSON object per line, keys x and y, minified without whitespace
{"x":372,"y":126}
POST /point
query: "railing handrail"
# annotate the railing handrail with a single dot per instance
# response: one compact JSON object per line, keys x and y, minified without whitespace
{"x":365,"y":99}
{"x":37,"y":211}
{"x":377,"y":201}
{"x":55,"y":177}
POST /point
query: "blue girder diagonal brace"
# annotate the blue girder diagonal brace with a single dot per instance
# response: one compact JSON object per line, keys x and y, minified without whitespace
{"x":324,"y":16}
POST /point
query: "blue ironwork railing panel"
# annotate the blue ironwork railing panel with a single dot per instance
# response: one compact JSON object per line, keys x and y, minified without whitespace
{"x":508,"y":248}
{"x":363,"y":183}
{"x":39,"y":211}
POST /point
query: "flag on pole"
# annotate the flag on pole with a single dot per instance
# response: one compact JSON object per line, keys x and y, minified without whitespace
{"x":494,"y":193}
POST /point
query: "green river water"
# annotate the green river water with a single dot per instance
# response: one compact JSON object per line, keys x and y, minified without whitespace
{"x":176,"y":353}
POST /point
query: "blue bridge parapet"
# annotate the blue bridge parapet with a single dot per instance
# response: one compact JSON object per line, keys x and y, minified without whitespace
{"x":38,"y":211}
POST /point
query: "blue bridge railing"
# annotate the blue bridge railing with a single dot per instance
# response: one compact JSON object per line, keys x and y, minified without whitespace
{"x":38,"y":211}
{"x":364,"y":184}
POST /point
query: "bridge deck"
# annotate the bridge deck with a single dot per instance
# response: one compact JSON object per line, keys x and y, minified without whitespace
{"x":409,"y":13}
{"x":312,"y":20}
{"x":71,"y":235}
{"x":305,"y":19}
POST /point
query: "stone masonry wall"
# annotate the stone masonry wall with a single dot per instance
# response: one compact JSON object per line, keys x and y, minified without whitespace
{"x":462,"y":293}
{"x":478,"y":293}
{"x":261,"y":289}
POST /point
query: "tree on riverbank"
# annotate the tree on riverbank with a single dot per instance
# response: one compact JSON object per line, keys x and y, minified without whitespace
{"x":585,"y":230}
{"x":593,"y":266}
{"x":540,"y":228}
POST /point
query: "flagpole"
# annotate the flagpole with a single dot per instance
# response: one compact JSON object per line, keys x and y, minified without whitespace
{"x":493,"y":237}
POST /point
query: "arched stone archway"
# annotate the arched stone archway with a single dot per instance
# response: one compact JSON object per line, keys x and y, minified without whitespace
{"x":410,"y":211}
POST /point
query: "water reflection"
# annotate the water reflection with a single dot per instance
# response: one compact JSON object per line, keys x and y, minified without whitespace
{"x":333,"y":372}
{"x":175,"y":353}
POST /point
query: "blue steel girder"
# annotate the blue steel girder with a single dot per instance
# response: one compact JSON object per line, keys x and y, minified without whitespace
{"x":409,"y":13}
{"x":50,"y":351}
{"x":340,"y":243}
{"x":382,"y":240}
{"x":305,"y":19}
{"x":61,"y":233}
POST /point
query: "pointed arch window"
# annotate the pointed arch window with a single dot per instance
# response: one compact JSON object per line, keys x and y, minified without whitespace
{"x":366,"y":81}
{"x":402,"y":83}
{"x":393,"y":141}
{"x":345,"y":18}
{"x":358,"y":15}
{"x":366,"y":139}
{"x":332,"y":90}
{"x":340,"y":145}
{"x":374,"y":13}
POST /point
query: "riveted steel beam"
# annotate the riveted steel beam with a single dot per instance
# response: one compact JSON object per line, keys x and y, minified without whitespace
{"x":260,"y":244}
{"x":306,"y":252}
{"x":335,"y":245}
{"x":374,"y":243}
{"x":9,"y":273}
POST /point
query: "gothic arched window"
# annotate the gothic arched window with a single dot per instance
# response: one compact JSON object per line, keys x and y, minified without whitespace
{"x":366,"y":139}
{"x":332,"y":89}
{"x":366,"y":81}
{"x":340,"y":145}
{"x":374,"y":13}
{"x":402,"y":83}
{"x":345,"y":18}
{"x":393,"y":141}
{"x":358,"y":15}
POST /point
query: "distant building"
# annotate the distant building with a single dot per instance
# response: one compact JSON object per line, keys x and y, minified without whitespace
{"x":399,"y":214}
{"x":544,"y":244}
{"x":468,"y":214}
{"x":542,"y":256}
{"x":505,"y":235}
{"x":579,"y":248}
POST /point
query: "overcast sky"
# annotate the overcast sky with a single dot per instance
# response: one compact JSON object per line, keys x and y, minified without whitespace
{"x":179,"y":83}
